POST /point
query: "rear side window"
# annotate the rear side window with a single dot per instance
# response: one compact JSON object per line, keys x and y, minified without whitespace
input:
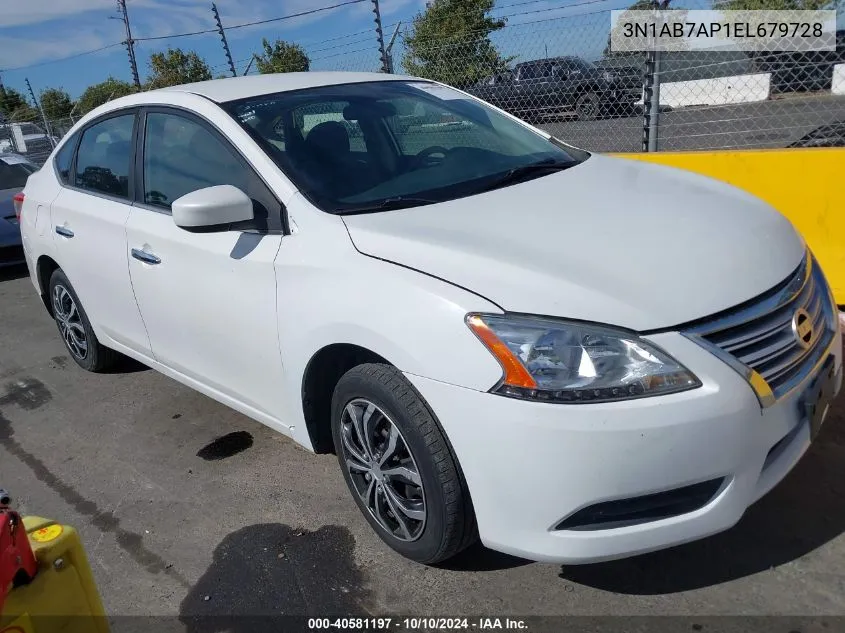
{"x":181,"y":156}
{"x":64,"y":159}
{"x":105,"y":155}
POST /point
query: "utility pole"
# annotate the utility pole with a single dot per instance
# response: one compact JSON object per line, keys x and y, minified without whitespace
{"x":130,"y":43}
{"x":651,"y":89}
{"x":223,"y":37}
{"x":385,"y":63}
{"x":37,"y":103}
{"x":249,"y":65}
{"x":389,"y":49}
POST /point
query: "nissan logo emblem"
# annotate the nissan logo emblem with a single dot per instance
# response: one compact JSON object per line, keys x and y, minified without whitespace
{"x":802,"y":328}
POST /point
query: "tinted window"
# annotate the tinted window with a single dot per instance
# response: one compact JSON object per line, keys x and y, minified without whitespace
{"x":14,"y":171}
{"x":353,"y":147}
{"x":64,"y":159}
{"x":181,"y":156}
{"x":105,"y":155}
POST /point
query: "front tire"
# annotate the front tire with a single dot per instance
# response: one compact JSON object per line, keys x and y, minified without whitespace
{"x":398,"y":466}
{"x":75,"y":328}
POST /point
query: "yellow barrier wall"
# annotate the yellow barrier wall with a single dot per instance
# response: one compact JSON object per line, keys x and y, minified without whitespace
{"x":806,"y":185}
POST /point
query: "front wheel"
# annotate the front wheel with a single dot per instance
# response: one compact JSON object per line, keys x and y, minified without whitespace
{"x":398,"y":465}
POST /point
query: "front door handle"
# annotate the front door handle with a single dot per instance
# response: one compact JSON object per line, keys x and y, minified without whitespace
{"x":144,"y":256}
{"x":64,"y":232}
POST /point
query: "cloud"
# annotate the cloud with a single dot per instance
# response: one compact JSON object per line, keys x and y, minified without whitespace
{"x":61,"y":28}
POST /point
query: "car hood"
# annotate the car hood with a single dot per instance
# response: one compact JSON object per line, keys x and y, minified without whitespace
{"x":611,"y":240}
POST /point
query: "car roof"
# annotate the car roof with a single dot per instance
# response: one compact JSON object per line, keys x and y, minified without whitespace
{"x":233,"y":88}
{"x":547,"y":60}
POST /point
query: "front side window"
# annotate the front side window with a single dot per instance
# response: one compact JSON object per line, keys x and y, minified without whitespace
{"x":104,"y":157}
{"x":364,"y":147}
{"x":181,"y":156}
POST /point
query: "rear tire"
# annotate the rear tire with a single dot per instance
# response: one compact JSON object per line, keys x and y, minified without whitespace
{"x":587,"y":106}
{"x":401,"y":430}
{"x":74,"y":327}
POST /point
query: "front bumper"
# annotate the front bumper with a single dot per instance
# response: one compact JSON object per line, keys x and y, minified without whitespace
{"x":530,"y":465}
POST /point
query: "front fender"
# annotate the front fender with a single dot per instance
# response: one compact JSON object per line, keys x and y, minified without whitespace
{"x":329,"y":293}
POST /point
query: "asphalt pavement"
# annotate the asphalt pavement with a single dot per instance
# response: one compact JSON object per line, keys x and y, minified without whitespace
{"x":767,"y":124}
{"x":189,"y":508}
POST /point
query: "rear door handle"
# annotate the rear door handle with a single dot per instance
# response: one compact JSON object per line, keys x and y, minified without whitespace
{"x":64,"y":232}
{"x":144,"y":256}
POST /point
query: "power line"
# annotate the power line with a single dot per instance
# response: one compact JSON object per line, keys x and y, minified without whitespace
{"x":246,"y":24}
{"x":329,"y":48}
{"x":296,"y":15}
{"x":63,"y":59}
{"x":357,"y":50}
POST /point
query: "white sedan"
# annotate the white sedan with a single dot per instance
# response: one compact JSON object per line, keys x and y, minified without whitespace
{"x":571,"y":356}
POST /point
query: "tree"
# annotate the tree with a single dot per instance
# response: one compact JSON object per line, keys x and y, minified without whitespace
{"x":779,"y":5}
{"x":282,"y":57}
{"x":15,"y":107}
{"x":176,"y":67}
{"x":450,"y":42}
{"x":56,"y":103}
{"x":98,"y":94}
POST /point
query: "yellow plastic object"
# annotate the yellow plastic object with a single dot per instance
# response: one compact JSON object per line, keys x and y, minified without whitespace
{"x":805,"y":185}
{"x":63,"y":597}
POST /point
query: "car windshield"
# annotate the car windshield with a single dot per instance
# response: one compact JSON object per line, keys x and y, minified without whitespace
{"x":373,"y":146}
{"x":583,"y":64}
{"x":14,"y":171}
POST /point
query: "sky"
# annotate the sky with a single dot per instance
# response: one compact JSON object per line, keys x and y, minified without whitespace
{"x":36,"y":33}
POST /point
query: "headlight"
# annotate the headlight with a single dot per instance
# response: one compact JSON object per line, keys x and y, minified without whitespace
{"x":560,"y":361}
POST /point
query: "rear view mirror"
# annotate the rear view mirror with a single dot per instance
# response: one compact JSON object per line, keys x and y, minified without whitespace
{"x":368,"y":110}
{"x":212,"y":207}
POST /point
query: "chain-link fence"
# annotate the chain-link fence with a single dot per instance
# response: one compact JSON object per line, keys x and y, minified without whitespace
{"x":31,"y":135}
{"x":552,"y":64}
{"x":559,"y":73}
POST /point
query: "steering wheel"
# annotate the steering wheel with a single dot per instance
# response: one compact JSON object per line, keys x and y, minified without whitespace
{"x":427,"y":156}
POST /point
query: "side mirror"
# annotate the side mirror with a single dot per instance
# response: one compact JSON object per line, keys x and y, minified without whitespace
{"x":210,"y":207}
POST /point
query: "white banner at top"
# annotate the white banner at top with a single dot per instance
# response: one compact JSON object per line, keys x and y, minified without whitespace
{"x":690,"y":30}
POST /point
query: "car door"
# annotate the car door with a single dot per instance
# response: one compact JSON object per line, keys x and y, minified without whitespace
{"x":88,"y":220}
{"x":566,"y":81}
{"x":208,"y":299}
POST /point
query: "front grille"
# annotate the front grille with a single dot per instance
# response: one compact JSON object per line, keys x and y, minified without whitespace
{"x":762,"y":336}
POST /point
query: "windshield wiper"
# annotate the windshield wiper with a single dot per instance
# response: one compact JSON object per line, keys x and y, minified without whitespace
{"x":527,"y":172}
{"x":388,"y":204}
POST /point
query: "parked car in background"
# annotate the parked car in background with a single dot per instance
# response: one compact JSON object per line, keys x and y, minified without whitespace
{"x":801,"y":71}
{"x":829,"y":135}
{"x":14,"y":170}
{"x":27,"y":139}
{"x":575,"y":357}
{"x":560,"y":85}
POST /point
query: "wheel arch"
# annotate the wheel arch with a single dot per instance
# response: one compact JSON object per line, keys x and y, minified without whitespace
{"x":322,"y":373}
{"x":44,"y":269}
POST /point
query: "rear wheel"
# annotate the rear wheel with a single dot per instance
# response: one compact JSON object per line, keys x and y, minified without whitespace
{"x":587,"y":106}
{"x":398,"y":465}
{"x":74,"y":327}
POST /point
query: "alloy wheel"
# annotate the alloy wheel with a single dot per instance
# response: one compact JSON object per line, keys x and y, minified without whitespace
{"x":383,"y":470}
{"x":69,"y":320}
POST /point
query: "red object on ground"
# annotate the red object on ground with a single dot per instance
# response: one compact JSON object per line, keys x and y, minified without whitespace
{"x":17,"y":562}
